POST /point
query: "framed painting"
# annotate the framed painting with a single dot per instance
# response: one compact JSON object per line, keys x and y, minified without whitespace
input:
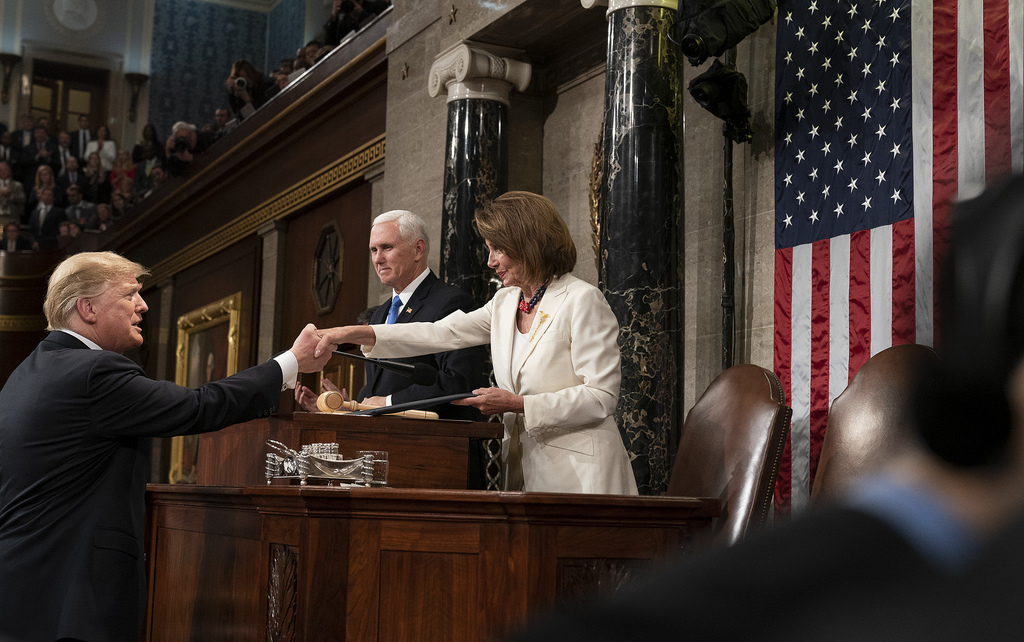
{"x":207,"y":351}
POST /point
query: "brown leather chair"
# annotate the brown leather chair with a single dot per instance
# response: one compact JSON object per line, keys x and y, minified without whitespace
{"x":730,"y":448}
{"x":871,"y":421}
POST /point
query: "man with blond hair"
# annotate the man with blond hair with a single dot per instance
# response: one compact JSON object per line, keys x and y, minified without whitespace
{"x":75,"y":421}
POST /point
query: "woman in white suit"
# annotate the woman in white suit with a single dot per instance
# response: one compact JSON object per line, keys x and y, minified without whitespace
{"x":553,"y":346}
{"x":102,"y":145}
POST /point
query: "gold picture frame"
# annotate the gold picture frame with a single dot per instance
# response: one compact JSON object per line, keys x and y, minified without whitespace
{"x":207,"y":351}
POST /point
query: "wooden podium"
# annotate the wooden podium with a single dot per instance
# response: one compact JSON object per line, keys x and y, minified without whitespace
{"x":422,"y":453}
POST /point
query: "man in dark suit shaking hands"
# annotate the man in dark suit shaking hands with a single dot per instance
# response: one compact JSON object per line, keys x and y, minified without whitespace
{"x":75,"y":421}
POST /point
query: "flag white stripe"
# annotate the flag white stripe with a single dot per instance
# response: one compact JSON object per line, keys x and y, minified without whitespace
{"x":839,"y":317}
{"x":921,"y":96}
{"x":970,"y":72}
{"x":881,"y":288}
{"x":1017,"y":84}
{"x":800,"y":380}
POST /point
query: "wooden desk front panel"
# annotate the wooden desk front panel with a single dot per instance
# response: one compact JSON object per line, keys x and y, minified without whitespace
{"x":391,"y":564}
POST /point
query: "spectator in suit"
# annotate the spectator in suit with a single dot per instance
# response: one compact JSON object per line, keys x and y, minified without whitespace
{"x":144,"y":168}
{"x":221,"y":118}
{"x":63,"y":153}
{"x":102,"y":145}
{"x":74,"y":468}
{"x":248,"y":89}
{"x":41,"y":151}
{"x":14,"y":240}
{"x":156,"y":178}
{"x":80,"y":211}
{"x":12,"y":196}
{"x":73,"y":175}
{"x":24,"y":136}
{"x":350,"y":15}
{"x":45,"y":220}
{"x":8,"y":152}
{"x":102,"y":221}
{"x":81,"y":138}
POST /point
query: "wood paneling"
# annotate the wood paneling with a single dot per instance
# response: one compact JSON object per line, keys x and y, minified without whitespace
{"x":408,"y":564}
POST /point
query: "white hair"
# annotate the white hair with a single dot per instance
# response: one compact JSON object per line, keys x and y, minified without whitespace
{"x":183,"y":125}
{"x":410,"y":226}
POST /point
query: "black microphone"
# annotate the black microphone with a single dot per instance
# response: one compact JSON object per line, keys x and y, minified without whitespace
{"x":421,"y":373}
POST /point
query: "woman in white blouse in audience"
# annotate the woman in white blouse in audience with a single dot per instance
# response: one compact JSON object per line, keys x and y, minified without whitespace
{"x":553,"y":346}
{"x":103,"y":146}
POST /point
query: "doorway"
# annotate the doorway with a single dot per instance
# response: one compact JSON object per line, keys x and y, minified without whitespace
{"x":63,"y":92}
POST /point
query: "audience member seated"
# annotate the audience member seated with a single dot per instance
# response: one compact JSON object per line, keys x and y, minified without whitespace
{"x":44,"y":179}
{"x":149,"y":136}
{"x":350,"y":15}
{"x":157,"y":178}
{"x":144,"y":168}
{"x":123,"y":168}
{"x":96,"y":188}
{"x":78,"y":210}
{"x":45,"y":220}
{"x":63,"y":153}
{"x":183,"y":146}
{"x":12,"y":196}
{"x":80,"y":139}
{"x":248,"y":89}
{"x":103,"y":146}
{"x":221,"y":122}
{"x":72,"y":176}
{"x":102,"y":221}
{"x":118,"y":204}
{"x":14,"y":240}
{"x":8,"y":153}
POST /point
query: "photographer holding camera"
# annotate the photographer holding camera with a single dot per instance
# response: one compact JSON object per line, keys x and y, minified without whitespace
{"x":248,"y":89}
{"x":350,"y":15}
{"x":182,"y":146}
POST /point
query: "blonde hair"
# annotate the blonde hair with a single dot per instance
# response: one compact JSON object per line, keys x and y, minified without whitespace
{"x":528,"y":229}
{"x":86,"y":275}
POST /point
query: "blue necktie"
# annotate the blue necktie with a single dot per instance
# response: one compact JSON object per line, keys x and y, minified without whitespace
{"x":396,"y":305}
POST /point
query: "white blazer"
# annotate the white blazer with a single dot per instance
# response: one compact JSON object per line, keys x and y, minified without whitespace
{"x":569,"y":380}
{"x":108,"y":153}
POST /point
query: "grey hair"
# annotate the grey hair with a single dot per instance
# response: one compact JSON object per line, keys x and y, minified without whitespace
{"x":410,"y":226}
{"x":183,"y":125}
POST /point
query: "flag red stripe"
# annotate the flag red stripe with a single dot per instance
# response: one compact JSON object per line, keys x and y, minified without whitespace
{"x":860,"y":300}
{"x":783,"y":350}
{"x":820,"y":290}
{"x":944,"y":133}
{"x":997,"y":89}
{"x":904,"y":326}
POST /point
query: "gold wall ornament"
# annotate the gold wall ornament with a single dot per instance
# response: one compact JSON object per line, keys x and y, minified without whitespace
{"x":207,"y":351}
{"x":22,"y":323}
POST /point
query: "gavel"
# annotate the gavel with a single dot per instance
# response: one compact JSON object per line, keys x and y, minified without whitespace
{"x":334,"y":402}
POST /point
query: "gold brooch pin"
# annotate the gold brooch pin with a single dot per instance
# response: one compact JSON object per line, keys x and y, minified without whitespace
{"x":543,"y":317}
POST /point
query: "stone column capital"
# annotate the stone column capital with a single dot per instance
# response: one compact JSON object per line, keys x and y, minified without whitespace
{"x":616,"y":5}
{"x":470,"y":71}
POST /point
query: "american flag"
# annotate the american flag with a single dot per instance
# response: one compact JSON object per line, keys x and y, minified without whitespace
{"x":887,"y":111}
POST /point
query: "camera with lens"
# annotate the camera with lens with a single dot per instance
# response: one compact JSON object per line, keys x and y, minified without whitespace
{"x":347,"y":6}
{"x":241,"y":83}
{"x":180,"y":145}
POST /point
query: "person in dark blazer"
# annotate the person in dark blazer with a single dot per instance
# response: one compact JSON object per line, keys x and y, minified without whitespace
{"x":46,"y":218}
{"x":75,"y":421}
{"x":398,"y":249}
{"x":80,"y":139}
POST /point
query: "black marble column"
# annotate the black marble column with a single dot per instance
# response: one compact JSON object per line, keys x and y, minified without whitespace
{"x":640,"y":271}
{"x":475,"y":172}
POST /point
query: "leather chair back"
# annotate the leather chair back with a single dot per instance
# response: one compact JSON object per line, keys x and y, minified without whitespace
{"x":730,"y":448}
{"x":871,"y":421}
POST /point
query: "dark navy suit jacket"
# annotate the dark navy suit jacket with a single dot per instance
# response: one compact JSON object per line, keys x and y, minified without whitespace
{"x":457,"y":371}
{"x":74,"y":458}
